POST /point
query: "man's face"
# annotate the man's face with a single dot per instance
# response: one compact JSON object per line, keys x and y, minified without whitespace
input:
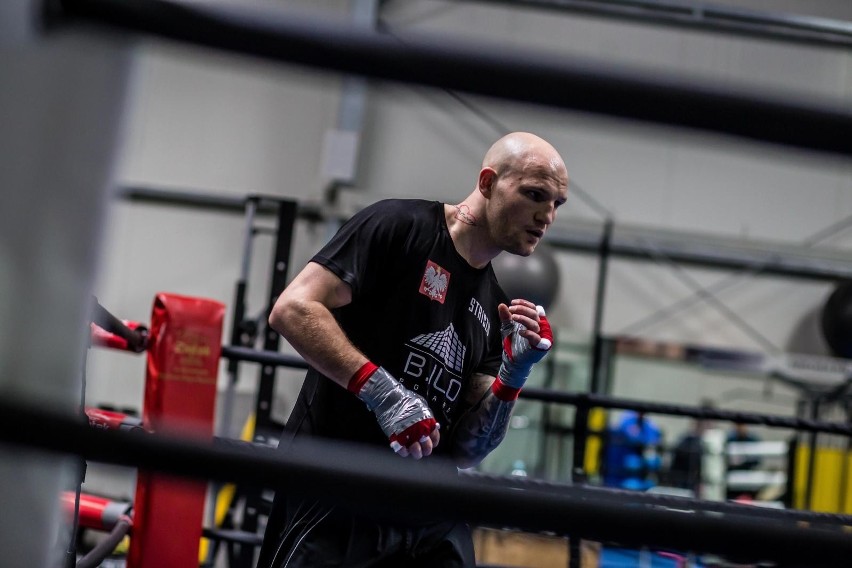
{"x":523,"y":204}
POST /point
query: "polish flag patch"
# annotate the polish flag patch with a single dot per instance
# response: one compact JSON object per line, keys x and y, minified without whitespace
{"x":435,"y":282}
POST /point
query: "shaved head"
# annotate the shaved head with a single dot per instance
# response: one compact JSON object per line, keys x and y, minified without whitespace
{"x":523,"y":149}
{"x":522,"y":182}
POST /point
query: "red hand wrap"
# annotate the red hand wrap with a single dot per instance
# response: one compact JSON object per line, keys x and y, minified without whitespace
{"x":504,"y":393}
{"x":414,"y":433}
{"x":361,"y":376}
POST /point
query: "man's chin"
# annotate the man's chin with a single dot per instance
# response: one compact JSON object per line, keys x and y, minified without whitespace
{"x":524,"y":249}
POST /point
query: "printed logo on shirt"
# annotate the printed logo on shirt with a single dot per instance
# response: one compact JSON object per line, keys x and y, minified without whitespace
{"x":480,"y":314}
{"x":435,"y":282}
{"x":433,"y":367}
{"x":446,"y":345}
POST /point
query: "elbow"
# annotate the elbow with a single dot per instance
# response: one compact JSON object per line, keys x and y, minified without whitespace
{"x":284,"y":313}
{"x":466,"y":458}
{"x":276,"y":317}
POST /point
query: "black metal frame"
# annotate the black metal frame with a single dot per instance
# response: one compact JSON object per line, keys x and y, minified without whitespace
{"x":244,"y":333}
{"x":602,"y":353}
{"x":701,"y":16}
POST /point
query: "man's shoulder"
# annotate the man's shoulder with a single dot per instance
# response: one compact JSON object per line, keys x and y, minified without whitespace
{"x":403,"y":214}
{"x":404,"y":206}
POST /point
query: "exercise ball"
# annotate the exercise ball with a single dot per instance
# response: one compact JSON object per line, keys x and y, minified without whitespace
{"x":534,"y":277}
{"x":836,"y":320}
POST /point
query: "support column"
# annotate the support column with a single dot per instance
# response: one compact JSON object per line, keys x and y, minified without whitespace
{"x":61,"y":105}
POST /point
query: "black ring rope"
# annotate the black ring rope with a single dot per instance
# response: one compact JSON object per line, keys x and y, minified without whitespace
{"x":137,"y":339}
{"x":625,"y":496}
{"x":590,"y":400}
{"x":379,"y":481}
{"x":601,"y":401}
{"x":491,"y":70}
{"x":247,"y":354}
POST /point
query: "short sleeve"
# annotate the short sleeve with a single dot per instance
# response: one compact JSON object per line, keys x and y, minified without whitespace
{"x":367,"y":243}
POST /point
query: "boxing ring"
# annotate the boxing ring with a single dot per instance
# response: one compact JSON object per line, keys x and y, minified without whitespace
{"x":354,"y":477}
{"x":328,"y":471}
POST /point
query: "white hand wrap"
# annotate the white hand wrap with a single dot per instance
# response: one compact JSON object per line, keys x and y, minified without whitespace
{"x":404,"y":416}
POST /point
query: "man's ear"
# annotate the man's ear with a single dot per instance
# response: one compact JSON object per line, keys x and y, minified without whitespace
{"x":487,"y":178}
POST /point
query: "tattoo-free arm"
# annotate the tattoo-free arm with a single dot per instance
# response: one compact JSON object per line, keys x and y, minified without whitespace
{"x":302,"y":315}
{"x":483,"y":426}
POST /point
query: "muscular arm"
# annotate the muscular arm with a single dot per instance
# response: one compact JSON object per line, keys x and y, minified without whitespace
{"x":483,"y":426}
{"x":302,"y":315}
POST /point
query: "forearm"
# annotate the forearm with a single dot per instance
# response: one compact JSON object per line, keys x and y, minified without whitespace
{"x":314,"y":333}
{"x":303,"y":315}
{"x":481,"y":429}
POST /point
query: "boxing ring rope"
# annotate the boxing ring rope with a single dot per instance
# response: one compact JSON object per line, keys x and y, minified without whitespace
{"x":585,"y":400}
{"x":518,"y":74}
{"x":136,"y":339}
{"x":611,"y":494}
{"x":379,"y":481}
{"x":249,"y":355}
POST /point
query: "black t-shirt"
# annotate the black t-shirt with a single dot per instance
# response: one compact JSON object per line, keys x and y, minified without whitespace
{"x":418,"y":309}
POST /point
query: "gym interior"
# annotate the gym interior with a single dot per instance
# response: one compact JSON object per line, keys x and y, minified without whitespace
{"x":698,"y":280}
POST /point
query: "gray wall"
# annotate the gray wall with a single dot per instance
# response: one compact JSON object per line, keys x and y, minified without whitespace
{"x":219,"y":124}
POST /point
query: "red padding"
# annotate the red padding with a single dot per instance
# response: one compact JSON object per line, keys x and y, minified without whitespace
{"x":184,"y":350}
{"x":106,"y":419}
{"x":95,"y":512}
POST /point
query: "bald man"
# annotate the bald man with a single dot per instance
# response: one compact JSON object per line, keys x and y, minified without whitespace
{"x":413,"y":346}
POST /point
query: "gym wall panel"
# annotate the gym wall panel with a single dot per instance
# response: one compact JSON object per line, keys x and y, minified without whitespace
{"x":220,"y":124}
{"x":745,"y":193}
{"x":418,"y":143}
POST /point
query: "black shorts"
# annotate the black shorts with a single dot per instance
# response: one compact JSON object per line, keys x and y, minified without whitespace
{"x":308,"y":534}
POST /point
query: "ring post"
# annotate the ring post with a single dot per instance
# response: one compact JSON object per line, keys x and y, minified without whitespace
{"x":180,"y":396}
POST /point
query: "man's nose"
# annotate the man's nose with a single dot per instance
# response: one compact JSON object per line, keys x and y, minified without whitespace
{"x":546,"y":214}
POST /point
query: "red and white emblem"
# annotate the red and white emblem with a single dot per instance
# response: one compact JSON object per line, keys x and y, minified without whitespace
{"x":435,"y":282}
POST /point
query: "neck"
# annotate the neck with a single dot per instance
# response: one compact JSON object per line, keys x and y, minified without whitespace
{"x":469,"y":235}
{"x":464,"y":214}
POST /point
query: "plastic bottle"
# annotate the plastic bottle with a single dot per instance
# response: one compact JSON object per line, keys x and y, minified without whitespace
{"x":519,"y":468}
